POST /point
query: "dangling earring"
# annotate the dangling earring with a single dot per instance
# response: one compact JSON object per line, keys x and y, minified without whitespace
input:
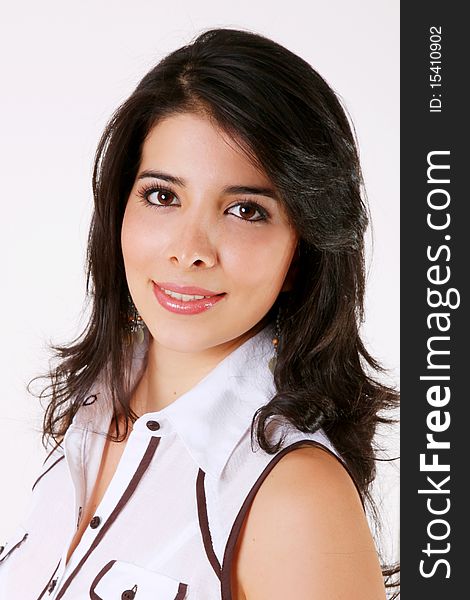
{"x":275,"y":340}
{"x":135,"y":324}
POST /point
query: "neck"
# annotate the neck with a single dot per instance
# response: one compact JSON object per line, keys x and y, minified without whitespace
{"x":170,"y":373}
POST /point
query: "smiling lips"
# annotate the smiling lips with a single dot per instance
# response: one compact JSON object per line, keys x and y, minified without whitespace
{"x":187,"y":300}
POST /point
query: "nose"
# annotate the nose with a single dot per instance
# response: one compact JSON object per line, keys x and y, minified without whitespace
{"x":193,"y":245}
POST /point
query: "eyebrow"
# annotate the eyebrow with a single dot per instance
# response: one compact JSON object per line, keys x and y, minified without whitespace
{"x":230,"y":189}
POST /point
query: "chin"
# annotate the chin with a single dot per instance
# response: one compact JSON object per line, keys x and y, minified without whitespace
{"x":180,"y":339}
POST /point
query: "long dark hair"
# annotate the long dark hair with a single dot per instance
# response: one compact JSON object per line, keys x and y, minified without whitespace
{"x":290,"y":123}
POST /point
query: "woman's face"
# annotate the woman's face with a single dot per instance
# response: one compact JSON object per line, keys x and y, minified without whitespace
{"x":200,"y":215}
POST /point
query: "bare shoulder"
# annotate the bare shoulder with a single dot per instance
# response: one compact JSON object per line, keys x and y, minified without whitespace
{"x":306,"y":535}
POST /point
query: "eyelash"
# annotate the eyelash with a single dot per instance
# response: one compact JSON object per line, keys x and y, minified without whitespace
{"x":146,"y":190}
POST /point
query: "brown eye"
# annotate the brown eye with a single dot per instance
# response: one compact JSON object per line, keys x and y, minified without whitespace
{"x":160,"y":197}
{"x":250,"y":211}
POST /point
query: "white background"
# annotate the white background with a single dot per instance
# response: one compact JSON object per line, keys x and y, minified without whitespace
{"x":65,"y":68}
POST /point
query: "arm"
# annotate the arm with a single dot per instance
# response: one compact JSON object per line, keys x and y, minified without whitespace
{"x":306,"y":536}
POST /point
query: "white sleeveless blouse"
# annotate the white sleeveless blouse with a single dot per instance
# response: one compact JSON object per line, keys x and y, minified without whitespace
{"x":168,"y":523}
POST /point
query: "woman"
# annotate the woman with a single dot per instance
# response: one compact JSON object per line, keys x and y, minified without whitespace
{"x":214,"y":423}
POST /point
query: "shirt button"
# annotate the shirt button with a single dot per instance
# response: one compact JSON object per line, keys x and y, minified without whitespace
{"x":153,"y":425}
{"x":95,"y":522}
{"x":89,"y":400}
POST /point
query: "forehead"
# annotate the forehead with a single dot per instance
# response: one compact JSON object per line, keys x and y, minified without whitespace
{"x":192,"y":145}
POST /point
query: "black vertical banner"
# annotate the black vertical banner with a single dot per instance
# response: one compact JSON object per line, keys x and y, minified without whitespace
{"x":435,"y":267}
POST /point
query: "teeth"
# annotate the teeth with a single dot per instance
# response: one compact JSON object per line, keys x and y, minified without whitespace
{"x":184,"y":297}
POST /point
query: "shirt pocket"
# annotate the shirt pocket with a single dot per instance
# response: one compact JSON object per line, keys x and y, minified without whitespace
{"x":120,"y":580}
{"x":14,"y":541}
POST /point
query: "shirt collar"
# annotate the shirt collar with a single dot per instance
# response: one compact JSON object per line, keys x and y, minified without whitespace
{"x":213,"y":416}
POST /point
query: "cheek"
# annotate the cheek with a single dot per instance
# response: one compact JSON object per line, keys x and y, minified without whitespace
{"x":260,"y":262}
{"x":138,"y":241}
{"x":129,"y":239}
